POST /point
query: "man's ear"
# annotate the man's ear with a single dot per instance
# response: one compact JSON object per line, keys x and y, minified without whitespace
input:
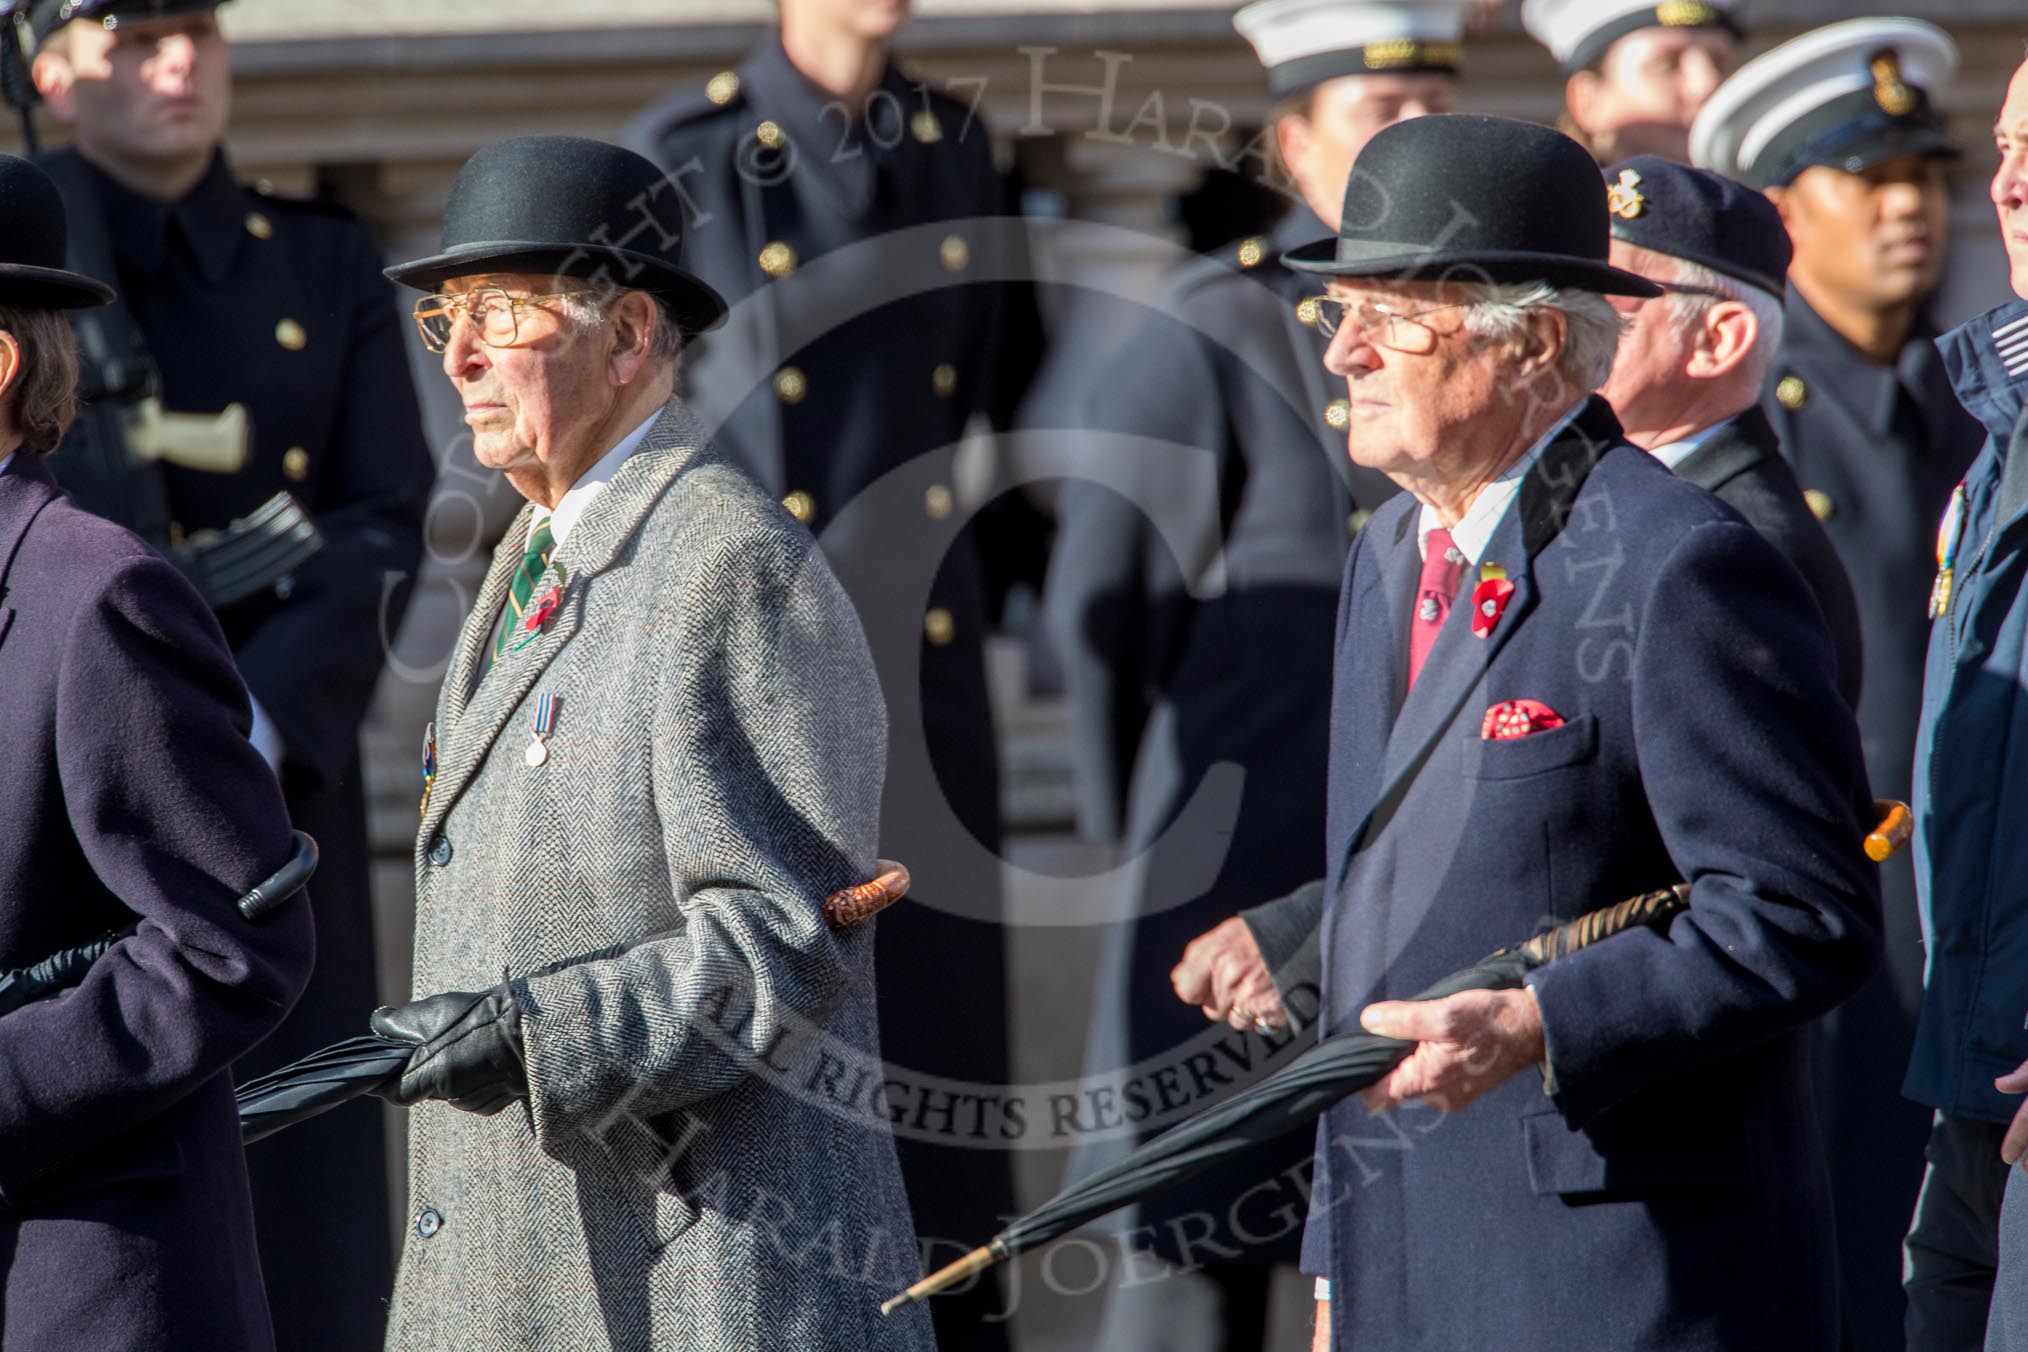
{"x":1580,"y":98}
{"x":1292,"y":142}
{"x":1784,"y":204}
{"x":10,"y":366}
{"x":55,"y":80}
{"x":635,"y":317}
{"x":1727,"y":334}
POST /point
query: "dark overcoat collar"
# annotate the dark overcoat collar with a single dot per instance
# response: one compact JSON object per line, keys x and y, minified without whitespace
{"x":211,"y":218}
{"x":1743,"y":443}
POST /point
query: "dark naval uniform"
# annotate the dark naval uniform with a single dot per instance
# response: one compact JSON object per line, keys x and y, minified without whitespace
{"x":1193,"y":595}
{"x":1877,"y":451}
{"x":279,"y":306}
{"x":861,"y":342}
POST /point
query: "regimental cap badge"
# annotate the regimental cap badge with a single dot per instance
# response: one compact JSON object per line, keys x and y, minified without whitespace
{"x":1624,"y":199}
{"x":1890,"y":91}
{"x":1687,"y":14}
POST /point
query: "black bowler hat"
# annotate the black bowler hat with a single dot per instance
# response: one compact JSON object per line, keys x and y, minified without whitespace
{"x":33,"y":232}
{"x":46,"y":16}
{"x":1460,"y":198}
{"x":1701,"y":217}
{"x":568,"y":207}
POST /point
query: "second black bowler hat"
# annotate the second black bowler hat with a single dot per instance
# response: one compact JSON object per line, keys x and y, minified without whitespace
{"x":1462,"y":198}
{"x":33,"y":235}
{"x":569,"y":207}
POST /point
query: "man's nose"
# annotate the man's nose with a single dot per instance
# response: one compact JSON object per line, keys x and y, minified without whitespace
{"x":464,"y":354}
{"x":175,"y":62}
{"x":1351,"y":352}
{"x":2010,"y":185}
{"x":1701,"y":76}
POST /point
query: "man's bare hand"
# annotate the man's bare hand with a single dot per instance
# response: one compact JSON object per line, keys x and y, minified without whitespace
{"x":1471,"y":1043}
{"x":2015,"y":1143}
{"x":1224,"y":974}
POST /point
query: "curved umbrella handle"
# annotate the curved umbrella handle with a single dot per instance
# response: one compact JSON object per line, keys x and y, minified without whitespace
{"x":1896,"y":829}
{"x":855,"y":905}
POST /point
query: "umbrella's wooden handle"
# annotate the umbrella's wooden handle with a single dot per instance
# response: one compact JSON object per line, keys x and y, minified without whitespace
{"x":855,"y":905}
{"x":1896,"y":829}
{"x":944,"y":1278}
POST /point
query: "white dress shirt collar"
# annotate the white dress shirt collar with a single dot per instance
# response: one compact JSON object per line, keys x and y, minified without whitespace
{"x":590,"y":484}
{"x":1475,"y":530}
{"x":1676,"y":452}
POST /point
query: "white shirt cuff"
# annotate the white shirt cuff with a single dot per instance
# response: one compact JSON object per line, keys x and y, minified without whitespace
{"x":1323,"y":1288}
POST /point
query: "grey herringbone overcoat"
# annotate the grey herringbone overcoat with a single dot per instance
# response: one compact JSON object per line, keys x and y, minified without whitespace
{"x":701,"y":1163}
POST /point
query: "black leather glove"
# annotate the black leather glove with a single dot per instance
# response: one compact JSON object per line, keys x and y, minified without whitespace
{"x":468,"y":1050}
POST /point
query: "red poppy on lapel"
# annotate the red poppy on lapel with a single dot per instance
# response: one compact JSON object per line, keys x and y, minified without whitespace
{"x":1489,"y":602}
{"x":1518,"y":718}
{"x":538,"y":614}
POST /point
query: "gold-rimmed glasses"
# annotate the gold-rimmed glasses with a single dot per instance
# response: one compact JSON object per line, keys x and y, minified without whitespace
{"x":1396,"y":330}
{"x":495,"y":316}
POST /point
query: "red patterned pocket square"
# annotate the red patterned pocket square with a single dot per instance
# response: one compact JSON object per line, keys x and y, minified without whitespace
{"x":1518,"y":718}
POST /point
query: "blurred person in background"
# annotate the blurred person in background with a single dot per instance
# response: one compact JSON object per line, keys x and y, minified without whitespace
{"x":1636,"y":74}
{"x":1839,"y":129}
{"x":1165,"y":681}
{"x":248,"y":396}
{"x":846,"y":211}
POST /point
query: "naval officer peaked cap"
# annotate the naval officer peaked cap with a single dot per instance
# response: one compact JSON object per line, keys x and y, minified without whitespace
{"x":1456,"y":197}
{"x":1700,"y":217}
{"x":1847,"y":96}
{"x":1578,"y":32}
{"x":569,"y":207}
{"x":1303,"y":43}
{"x":46,"y":16}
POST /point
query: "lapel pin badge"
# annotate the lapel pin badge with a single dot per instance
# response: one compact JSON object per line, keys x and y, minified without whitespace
{"x":537,"y":754}
{"x":538,"y":612}
{"x":1489,"y":599}
{"x":429,"y":766}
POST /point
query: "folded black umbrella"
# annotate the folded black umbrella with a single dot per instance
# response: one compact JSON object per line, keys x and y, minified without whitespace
{"x":1292,"y":1097}
{"x":318,"y":1083}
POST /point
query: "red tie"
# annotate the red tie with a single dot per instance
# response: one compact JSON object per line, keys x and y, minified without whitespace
{"x":1443,"y":566}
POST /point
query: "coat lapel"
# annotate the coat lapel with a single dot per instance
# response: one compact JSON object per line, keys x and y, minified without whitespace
{"x":1460,"y":659}
{"x":472,"y":724}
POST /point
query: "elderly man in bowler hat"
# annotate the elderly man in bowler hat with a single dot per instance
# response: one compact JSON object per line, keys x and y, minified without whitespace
{"x":1591,"y":679}
{"x":657,"y":749}
{"x":135,"y":805}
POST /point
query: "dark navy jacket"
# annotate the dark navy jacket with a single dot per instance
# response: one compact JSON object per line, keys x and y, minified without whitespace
{"x":131,"y":795}
{"x":1671,"y":1194}
{"x":1971,"y":798}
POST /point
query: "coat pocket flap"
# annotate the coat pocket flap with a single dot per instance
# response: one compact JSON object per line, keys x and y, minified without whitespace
{"x":1515,"y":757}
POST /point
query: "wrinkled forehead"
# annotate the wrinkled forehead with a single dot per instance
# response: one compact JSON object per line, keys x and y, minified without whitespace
{"x":1397,"y":295}
{"x":513,"y":283}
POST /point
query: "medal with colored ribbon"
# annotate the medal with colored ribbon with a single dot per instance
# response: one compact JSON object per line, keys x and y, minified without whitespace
{"x":1947,"y":534}
{"x":429,"y":766}
{"x":545,"y":719}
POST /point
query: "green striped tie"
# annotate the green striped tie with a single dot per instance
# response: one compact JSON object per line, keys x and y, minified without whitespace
{"x":533,"y":565}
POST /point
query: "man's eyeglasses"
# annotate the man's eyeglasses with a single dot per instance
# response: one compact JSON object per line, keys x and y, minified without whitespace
{"x":495,"y":316}
{"x":1398,"y":331}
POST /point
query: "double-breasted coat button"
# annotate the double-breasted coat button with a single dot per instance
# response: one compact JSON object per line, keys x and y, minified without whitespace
{"x":290,"y":335}
{"x":440,"y":853}
{"x":721,"y":88}
{"x":956,"y":254}
{"x":801,"y":506}
{"x":428,"y":1221}
{"x":790,"y":385}
{"x":259,"y":226}
{"x":938,"y":626}
{"x":1338,"y":413}
{"x":1251,"y":251}
{"x":944,"y":380}
{"x":937,"y":502}
{"x":1792,"y":393}
{"x":770,"y":134}
{"x":1306,"y":313}
{"x":777,"y":259}
{"x":296,"y":464}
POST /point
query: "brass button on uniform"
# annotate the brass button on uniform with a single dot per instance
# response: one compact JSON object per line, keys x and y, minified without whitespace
{"x":957,"y":254}
{"x":944,"y":380}
{"x":939,"y":627}
{"x":801,"y":506}
{"x":925,"y":127}
{"x":1306,"y":313}
{"x":1338,"y":413}
{"x":296,"y":464}
{"x":290,"y":335}
{"x":777,"y":259}
{"x":770,"y":135}
{"x":1792,"y":393}
{"x":937,"y":502}
{"x":1251,"y":251}
{"x":1820,"y":502}
{"x":259,"y":226}
{"x":790,"y":386}
{"x":722,"y":87}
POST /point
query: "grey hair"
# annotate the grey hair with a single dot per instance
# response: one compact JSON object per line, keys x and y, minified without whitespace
{"x":1498,"y":312}
{"x":587,"y":310}
{"x":1686,"y":309}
